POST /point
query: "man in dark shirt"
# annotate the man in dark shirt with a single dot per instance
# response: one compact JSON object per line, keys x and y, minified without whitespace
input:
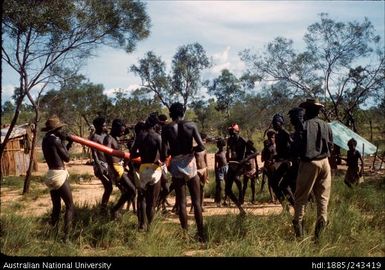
{"x":314,"y":169}
{"x":55,"y":154}
{"x":100,"y":163}
{"x":177,"y":138}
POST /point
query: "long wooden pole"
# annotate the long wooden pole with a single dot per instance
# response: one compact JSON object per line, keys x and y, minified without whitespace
{"x":100,"y":147}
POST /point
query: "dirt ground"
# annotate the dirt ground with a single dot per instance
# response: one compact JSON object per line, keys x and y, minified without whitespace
{"x":89,"y":190}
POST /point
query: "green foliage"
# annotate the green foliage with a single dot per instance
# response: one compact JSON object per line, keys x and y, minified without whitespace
{"x":208,"y":118}
{"x":17,"y":182}
{"x":73,"y":24}
{"x":77,"y":102}
{"x":8,"y":110}
{"x":134,"y":107}
{"x":44,"y":38}
{"x":152,"y":71}
{"x":187,"y":64}
{"x":184,"y":80}
{"x":227,"y":90}
{"x":329,"y":63}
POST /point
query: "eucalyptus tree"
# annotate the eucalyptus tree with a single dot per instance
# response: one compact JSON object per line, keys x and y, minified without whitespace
{"x":227,"y":89}
{"x":41,"y":36}
{"x":182,"y":82}
{"x":343,"y":63}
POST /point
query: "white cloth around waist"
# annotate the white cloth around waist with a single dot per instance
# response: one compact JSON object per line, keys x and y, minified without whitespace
{"x":149,"y":174}
{"x":183,"y":166}
{"x":56,"y":178}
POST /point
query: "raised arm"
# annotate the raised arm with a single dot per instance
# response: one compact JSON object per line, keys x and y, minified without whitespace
{"x":62,"y":150}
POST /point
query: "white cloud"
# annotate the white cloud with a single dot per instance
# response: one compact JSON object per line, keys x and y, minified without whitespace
{"x":220,"y":61}
{"x":222,"y":56}
{"x":7,"y":92}
{"x":111,"y":91}
{"x":225,"y":59}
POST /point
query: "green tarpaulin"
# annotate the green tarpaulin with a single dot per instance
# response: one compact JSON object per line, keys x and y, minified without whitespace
{"x":342,"y":134}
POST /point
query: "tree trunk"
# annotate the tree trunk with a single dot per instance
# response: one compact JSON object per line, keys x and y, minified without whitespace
{"x":36,"y":120}
{"x":27,"y":179}
{"x":13,"y":124}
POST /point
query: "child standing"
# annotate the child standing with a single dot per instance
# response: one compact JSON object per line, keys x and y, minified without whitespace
{"x":353,"y":173}
{"x":268,"y":154}
{"x":250,"y":171}
{"x":221,"y":168}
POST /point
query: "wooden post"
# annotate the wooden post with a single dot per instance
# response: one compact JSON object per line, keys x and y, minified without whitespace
{"x":361,"y":178}
{"x":374,"y":160}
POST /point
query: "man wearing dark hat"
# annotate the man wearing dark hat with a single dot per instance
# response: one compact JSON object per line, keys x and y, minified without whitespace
{"x":236,"y":152}
{"x":55,"y":154}
{"x":177,"y":138}
{"x":314,"y":172}
{"x":100,"y":163}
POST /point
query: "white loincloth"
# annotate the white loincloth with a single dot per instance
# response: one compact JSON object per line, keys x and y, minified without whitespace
{"x":56,"y":178}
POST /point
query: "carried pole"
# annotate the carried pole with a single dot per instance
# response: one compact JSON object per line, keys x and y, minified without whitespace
{"x":100,"y":147}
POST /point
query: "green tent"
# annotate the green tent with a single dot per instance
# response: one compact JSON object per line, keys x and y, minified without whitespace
{"x":342,"y":134}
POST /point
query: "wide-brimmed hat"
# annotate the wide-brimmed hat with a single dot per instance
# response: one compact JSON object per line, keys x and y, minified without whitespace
{"x":311,"y":103}
{"x":52,"y":123}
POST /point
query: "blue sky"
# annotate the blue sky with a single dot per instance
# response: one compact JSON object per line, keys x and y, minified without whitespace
{"x":223,"y":28}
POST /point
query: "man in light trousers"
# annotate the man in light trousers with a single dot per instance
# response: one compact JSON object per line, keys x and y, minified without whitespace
{"x":314,"y":173}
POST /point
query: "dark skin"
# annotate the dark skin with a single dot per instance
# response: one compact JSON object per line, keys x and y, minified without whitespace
{"x":182,"y":145}
{"x":124,"y":183}
{"x":250,"y":150}
{"x":100,"y":171}
{"x":236,"y":150}
{"x":201,"y":159}
{"x":164,"y":188}
{"x":55,"y":154}
{"x":283,"y":141}
{"x":269,"y":152}
{"x":148,"y":145}
{"x":289,"y":178}
{"x":219,"y":162}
